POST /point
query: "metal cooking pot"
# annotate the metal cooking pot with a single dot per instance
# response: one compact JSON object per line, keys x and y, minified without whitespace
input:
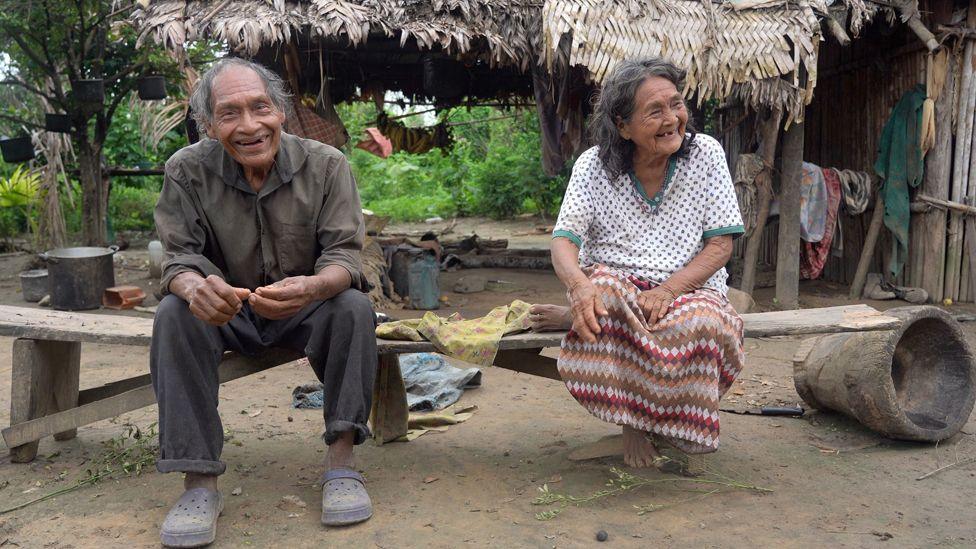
{"x":78,"y":276}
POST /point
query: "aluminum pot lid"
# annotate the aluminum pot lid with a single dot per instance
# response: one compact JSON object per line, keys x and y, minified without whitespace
{"x":80,"y":252}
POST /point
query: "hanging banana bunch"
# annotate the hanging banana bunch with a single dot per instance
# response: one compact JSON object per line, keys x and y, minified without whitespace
{"x":414,"y":140}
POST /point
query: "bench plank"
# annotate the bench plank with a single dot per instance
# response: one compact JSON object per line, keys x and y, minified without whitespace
{"x":232,"y":367}
{"x":114,"y":329}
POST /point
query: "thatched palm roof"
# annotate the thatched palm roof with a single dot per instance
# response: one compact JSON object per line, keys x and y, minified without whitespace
{"x":762,"y":51}
{"x":454,"y":26}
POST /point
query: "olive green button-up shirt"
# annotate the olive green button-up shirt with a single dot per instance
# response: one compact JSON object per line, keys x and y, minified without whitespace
{"x":306,"y":216}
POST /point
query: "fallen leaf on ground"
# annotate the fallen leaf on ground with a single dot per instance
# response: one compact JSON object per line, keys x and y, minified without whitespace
{"x":428,"y":480}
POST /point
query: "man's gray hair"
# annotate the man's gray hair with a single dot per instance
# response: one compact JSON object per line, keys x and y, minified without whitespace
{"x":201,"y":101}
{"x":616,"y":102}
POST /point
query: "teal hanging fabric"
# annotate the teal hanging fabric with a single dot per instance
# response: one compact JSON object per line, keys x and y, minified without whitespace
{"x":900,"y":165}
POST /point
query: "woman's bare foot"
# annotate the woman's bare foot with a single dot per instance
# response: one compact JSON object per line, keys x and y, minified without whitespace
{"x":639,"y":451}
{"x":550,"y":318}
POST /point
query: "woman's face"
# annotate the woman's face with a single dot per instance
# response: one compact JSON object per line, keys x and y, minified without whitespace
{"x":657,"y":124}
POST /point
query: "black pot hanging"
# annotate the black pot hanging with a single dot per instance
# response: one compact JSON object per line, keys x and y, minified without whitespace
{"x":152,"y":87}
{"x":56,"y":122}
{"x":88,"y":92}
{"x":17,"y":149}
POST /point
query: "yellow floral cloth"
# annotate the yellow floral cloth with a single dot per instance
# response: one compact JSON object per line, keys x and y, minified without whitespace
{"x":474,"y":341}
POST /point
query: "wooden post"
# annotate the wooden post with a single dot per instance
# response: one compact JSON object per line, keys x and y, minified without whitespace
{"x":768,"y":132}
{"x":44,"y":379}
{"x":390,"y":413}
{"x":867,"y":252}
{"x":788,"y":252}
{"x":930,"y":245}
{"x":960,"y":175}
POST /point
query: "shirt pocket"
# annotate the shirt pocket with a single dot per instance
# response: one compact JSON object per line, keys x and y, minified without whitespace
{"x":296,"y":249}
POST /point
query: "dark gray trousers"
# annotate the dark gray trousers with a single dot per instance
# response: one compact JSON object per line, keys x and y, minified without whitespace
{"x":338,"y":337}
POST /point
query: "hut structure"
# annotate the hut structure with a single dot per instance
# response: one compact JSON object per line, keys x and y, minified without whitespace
{"x":785,"y":81}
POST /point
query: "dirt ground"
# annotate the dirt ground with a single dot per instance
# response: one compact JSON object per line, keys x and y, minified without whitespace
{"x":833,"y":482}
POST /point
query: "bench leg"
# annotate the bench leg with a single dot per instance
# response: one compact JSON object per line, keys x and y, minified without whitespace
{"x":389,"y":415}
{"x":44,"y":380}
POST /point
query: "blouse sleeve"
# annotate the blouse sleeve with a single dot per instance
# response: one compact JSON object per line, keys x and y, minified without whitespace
{"x":576,"y":211}
{"x":722,"y":214}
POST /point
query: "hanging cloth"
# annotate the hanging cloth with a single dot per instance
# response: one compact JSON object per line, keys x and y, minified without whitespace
{"x":813,"y":203}
{"x":900,"y":166}
{"x":813,"y":255}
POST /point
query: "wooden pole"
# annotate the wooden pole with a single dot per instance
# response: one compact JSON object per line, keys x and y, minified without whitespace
{"x":867,"y":252}
{"x":960,"y":175}
{"x":788,"y":248}
{"x":930,"y":247}
{"x":768,"y":132}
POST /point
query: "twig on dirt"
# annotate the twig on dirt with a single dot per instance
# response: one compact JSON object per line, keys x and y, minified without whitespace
{"x":945,"y":467}
{"x":625,"y":482}
{"x":128,"y":453}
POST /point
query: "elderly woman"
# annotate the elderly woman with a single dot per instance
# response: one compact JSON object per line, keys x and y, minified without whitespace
{"x":643,"y":234}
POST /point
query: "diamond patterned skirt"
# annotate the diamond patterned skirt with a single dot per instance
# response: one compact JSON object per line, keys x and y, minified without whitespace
{"x":664,"y":378}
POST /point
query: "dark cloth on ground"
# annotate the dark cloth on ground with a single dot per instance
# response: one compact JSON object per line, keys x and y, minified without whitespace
{"x":306,"y":216}
{"x":337,"y":337}
{"x":900,"y":165}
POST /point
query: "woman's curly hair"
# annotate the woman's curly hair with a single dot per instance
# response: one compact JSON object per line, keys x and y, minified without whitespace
{"x":615,"y":101}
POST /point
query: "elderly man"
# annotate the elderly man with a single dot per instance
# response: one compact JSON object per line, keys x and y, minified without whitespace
{"x":263,"y":232}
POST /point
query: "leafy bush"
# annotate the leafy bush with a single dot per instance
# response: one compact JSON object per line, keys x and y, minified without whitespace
{"x":19,"y":196}
{"x":131,"y":208}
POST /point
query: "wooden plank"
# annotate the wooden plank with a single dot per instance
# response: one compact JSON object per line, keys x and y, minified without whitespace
{"x":867,"y":251}
{"x":41,"y":383}
{"x":788,"y":245}
{"x":938,"y":162}
{"x":389,"y":415}
{"x":232,"y":367}
{"x":46,"y":324}
{"x":825,"y":320}
{"x":65,"y":360}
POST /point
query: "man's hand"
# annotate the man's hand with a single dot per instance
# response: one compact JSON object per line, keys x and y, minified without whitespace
{"x":210,"y":299}
{"x":586,"y":307}
{"x":285,"y":297}
{"x":656,"y":302}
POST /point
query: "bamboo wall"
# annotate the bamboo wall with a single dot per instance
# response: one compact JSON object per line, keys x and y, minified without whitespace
{"x":857,"y":88}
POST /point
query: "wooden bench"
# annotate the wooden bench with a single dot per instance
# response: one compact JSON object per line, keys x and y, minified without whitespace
{"x":45,"y":400}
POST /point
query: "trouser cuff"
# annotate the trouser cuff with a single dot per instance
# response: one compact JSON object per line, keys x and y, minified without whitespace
{"x":199,"y":466}
{"x":335,"y":428}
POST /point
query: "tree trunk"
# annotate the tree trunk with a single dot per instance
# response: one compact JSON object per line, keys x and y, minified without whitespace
{"x":94,"y":194}
{"x":788,"y":249}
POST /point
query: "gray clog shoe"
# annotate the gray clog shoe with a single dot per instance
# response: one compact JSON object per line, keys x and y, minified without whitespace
{"x":192,"y":522}
{"x":344,"y":498}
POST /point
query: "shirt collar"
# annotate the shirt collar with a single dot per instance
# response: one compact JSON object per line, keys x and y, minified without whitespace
{"x":220,"y":162}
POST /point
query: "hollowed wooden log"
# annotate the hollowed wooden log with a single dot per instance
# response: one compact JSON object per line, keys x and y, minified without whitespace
{"x":917,"y":382}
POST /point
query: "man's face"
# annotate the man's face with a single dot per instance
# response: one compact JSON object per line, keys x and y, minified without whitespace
{"x":245,"y":120}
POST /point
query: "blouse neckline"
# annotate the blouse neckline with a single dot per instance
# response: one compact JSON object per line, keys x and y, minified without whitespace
{"x":658,"y":197}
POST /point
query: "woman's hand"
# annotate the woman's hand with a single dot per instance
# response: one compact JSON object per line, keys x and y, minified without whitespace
{"x":655,"y":302}
{"x":587,"y":307}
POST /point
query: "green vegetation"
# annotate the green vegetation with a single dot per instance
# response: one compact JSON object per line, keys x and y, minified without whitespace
{"x":493,"y":169}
